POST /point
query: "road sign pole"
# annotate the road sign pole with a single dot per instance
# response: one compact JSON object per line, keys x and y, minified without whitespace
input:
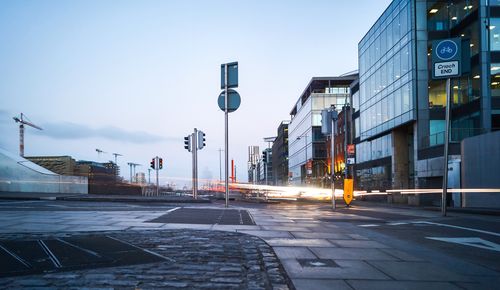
{"x":157,"y":163}
{"x":226,"y":145}
{"x":446,"y":142}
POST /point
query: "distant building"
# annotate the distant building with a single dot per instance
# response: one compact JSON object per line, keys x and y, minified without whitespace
{"x":63,"y":165}
{"x":280,"y":155}
{"x":307,"y":162}
{"x":253,"y":164}
{"x":266,"y":167}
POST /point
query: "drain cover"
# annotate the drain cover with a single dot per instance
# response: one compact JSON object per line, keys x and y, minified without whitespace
{"x":206,"y":216}
{"x":21,"y":257}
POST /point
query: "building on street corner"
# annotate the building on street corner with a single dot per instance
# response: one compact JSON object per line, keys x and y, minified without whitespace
{"x":307,"y":163}
{"x":400,"y":111}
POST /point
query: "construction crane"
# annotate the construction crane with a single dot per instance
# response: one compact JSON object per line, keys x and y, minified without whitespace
{"x":23,"y":122}
{"x":116,"y":155}
{"x":99,"y":152}
{"x":132,"y":170}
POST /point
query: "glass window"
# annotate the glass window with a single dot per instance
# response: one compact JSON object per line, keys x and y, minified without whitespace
{"x":495,"y":34}
{"x":397,"y":102}
{"x":397,"y":65}
{"x":495,"y":80}
{"x":405,"y":92}
{"x":405,"y":57}
{"x":437,"y":94}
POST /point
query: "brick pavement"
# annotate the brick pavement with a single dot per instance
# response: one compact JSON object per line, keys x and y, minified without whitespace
{"x":196,"y":259}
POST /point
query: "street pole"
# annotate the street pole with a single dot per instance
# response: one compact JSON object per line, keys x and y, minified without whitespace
{"x":220,"y":165}
{"x":157,"y":162}
{"x":332,"y":153}
{"x":345,"y":142}
{"x":195,"y":161}
{"x":446,"y":141}
{"x":149,"y":176}
{"x":226,"y":143}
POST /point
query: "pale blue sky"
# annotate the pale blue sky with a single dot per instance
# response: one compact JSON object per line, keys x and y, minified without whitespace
{"x":135,"y":77}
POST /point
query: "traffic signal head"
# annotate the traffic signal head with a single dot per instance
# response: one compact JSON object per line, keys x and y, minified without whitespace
{"x":201,"y":139}
{"x":152,"y":163}
{"x":160,"y":165}
{"x":264,"y":156}
{"x":187,"y":143}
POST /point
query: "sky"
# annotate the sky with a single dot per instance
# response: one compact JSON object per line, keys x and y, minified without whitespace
{"x":135,"y":77}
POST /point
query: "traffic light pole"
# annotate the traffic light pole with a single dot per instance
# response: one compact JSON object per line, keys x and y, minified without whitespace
{"x":195,"y":163}
{"x":157,"y":165}
{"x":226,"y":143}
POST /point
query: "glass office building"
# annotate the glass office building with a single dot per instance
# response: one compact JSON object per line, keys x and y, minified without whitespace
{"x":400,"y":121}
{"x":308,"y":162}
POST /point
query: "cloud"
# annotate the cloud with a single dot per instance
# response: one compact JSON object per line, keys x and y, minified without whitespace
{"x":67,"y":130}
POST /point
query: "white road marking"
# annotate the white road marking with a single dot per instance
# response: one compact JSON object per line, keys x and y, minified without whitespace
{"x":472,"y":242}
{"x":370,"y":225}
{"x":459,"y":227}
{"x":396,"y":224}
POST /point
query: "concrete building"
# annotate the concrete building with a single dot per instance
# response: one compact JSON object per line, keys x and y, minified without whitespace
{"x":253,"y":164}
{"x":280,"y":155}
{"x":307,"y":162}
{"x":400,"y":129}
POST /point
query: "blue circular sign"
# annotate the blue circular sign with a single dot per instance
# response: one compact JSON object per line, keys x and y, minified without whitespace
{"x":233,"y":101}
{"x":446,"y":49}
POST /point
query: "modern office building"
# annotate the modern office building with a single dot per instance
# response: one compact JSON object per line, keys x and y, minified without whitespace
{"x":400,"y":128}
{"x":266,"y":167}
{"x":307,"y":162}
{"x":280,"y":155}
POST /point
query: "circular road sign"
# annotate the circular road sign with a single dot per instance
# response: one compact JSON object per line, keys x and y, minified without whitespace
{"x":233,"y":101}
{"x":446,"y":49}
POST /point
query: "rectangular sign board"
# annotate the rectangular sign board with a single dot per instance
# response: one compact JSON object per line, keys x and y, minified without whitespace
{"x":232,"y":75}
{"x":351,"y":161}
{"x":446,"y":58}
{"x":446,"y":69}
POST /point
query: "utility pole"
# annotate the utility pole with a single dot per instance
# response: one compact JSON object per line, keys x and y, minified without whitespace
{"x":220,"y":165}
{"x":149,"y":175}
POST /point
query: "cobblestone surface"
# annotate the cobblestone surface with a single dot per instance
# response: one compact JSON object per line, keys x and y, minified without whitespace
{"x":195,"y":260}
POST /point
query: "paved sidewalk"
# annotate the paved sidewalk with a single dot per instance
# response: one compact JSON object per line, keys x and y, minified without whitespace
{"x":318,"y":248}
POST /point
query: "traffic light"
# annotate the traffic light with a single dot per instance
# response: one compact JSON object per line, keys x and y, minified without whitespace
{"x":160,"y":165}
{"x":201,"y":140}
{"x":264,"y":156}
{"x":187,"y":143}
{"x":152,"y":163}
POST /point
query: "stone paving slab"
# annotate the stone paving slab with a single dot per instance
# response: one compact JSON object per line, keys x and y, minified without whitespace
{"x":347,"y":269}
{"x":400,"y":285}
{"x":299,"y":242}
{"x":320,"y":284}
{"x":294,"y":253}
{"x":352,"y":254}
{"x":417,"y":271}
{"x":269,"y":234}
{"x":358,"y":244}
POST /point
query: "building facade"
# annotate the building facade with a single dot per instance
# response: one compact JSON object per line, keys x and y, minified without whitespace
{"x":280,"y":155}
{"x":307,"y":162}
{"x":400,"y":110}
